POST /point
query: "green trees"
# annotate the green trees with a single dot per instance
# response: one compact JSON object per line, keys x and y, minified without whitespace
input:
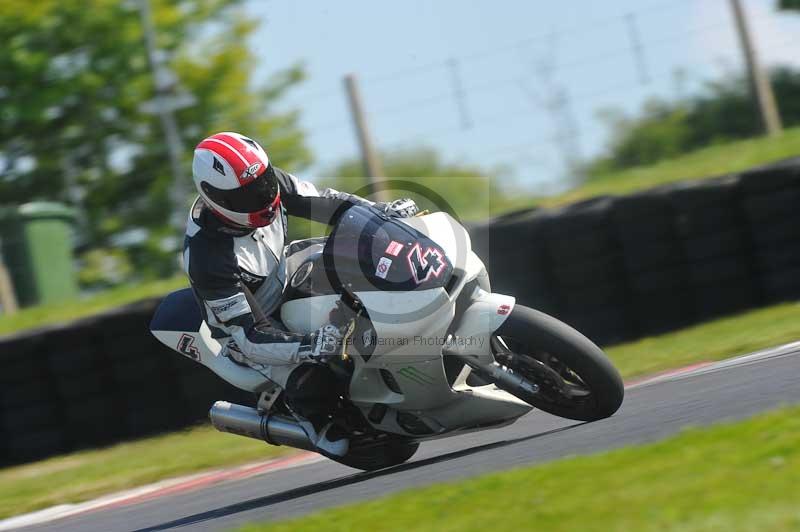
{"x":723,"y":111}
{"x":75,"y":124}
{"x":470,"y":191}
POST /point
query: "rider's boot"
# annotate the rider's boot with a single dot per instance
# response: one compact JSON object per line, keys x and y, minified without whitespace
{"x":330,"y":440}
{"x":311,"y":396}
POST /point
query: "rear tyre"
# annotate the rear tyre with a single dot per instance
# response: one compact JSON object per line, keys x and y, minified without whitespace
{"x":575,"y":379}
{"x":380,"y":456}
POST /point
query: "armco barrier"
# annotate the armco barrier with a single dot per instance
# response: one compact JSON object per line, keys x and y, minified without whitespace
{"x":617,"y":268}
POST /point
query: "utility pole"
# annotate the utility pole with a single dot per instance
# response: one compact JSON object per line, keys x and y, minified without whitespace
{"x":556,"y":102}
{"x":637,"y":48}
{"x":369,"y":157}
{"x":164,"y":104}
{"x":458,"y":92}
{"x":759,"y":81}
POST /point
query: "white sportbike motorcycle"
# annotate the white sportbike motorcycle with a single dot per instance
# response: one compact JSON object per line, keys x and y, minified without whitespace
{"x":429,"y":350}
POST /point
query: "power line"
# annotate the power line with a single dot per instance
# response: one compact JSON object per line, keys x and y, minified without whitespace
{"x":487,"y":121}
{"x":490,"y":120}
{"x":479,"y":54}
{"x":394,"y":75}
{"x":492,"y":85}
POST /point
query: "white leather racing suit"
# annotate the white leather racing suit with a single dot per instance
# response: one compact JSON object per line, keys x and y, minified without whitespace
{"x":238,"y":276}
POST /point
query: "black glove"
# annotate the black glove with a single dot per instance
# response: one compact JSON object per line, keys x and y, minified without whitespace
{"x":399,"y":208}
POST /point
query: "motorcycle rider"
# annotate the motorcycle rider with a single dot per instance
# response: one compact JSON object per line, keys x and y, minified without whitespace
{"x":235,"y":257}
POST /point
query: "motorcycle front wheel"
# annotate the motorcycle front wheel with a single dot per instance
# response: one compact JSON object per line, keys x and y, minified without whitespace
{"x":574,"y":378}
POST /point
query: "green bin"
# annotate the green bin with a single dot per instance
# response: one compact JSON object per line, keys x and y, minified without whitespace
{"x":36,"y":241}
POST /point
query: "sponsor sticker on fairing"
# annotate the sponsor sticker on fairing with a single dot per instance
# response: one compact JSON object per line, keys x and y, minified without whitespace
{"x":425,"y":264}
{"x":394,"y":248}
{"x":383,"y":267}
{"x":187,"y":347}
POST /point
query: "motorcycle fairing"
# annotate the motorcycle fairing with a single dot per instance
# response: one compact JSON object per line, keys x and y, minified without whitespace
{"x":179,"y":325}
{"x":424,"y":403}
{"x":369,"y":251}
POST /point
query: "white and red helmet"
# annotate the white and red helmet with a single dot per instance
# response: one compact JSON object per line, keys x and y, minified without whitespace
{"x":233,"y":175}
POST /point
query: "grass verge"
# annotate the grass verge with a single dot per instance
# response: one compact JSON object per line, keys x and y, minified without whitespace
{"x":737,"y":477}
{"x":712,"y":161}
{"x":84,"y":475}
{"x":82,"y":307}
{"x":715,"y":340}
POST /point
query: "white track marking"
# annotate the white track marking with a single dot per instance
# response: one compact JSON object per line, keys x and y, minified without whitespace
{"x":169,"y":486}
{"x":791,"y":349}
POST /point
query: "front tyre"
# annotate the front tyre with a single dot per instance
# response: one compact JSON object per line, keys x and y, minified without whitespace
{"x":574,"y":377}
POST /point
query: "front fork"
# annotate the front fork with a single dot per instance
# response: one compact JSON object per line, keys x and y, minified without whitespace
{"x":501,"y":377}
{"x":485,"y":315}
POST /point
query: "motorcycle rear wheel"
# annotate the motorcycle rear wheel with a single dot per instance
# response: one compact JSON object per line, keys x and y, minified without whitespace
{"x":376,"y":457}
{"x":574,"y":377}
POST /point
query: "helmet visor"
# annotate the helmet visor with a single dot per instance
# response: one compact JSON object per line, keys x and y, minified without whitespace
{"x":252,"y":197}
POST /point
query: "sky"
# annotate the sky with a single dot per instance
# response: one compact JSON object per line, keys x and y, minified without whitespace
{"x":532,"y":76}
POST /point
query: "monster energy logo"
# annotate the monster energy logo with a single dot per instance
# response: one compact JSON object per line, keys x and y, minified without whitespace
{"x":413,"y":374}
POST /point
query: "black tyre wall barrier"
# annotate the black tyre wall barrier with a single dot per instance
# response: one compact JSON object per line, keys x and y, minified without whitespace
{"x":98,"y":381}
{"x":617,"y":268}
{"x":770,"y":196}
{"x":626,"y":267}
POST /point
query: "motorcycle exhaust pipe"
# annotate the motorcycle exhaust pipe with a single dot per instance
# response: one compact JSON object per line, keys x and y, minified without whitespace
{"x":494,"y":373}
{"x":246,"y":421}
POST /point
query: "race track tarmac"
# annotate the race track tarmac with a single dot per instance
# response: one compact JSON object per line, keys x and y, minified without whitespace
{"x":650,"y":412}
